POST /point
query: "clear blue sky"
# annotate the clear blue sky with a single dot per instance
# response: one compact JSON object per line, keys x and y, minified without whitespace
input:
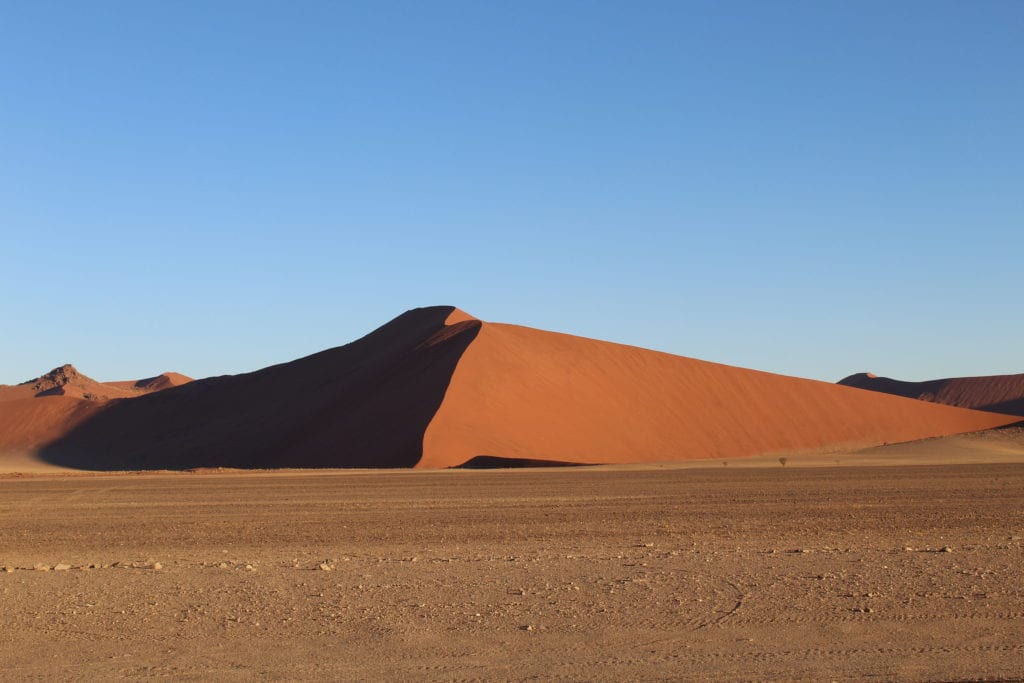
{"x":813,"y":188}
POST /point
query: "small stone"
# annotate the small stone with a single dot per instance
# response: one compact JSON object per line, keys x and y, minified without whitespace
{"x":946,"y":549}
{"x":250,"y":568}
{"x":62,"y":567}
{"x":156,"y":566}
{"x":42,"y":567}
{"x":527,"y":627}
{"x":324,"y":567}
{"x":222,"y":565}
{"x":9,"y":569}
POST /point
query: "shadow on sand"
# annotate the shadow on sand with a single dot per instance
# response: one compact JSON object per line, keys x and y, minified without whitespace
{"x":366,"y":404}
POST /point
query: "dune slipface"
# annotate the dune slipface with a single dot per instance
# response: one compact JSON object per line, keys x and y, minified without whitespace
{"x":436,"y":387}
{"x":993,"y":393}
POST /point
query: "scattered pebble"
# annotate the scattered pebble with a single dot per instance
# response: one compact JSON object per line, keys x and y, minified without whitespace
{"x":527,"y":627}
{"x":42,"y":567}
{"x":946,"y":549}
{"x":324,"y":567}
{"x":9,"y":569}
{"x":62,"y":567}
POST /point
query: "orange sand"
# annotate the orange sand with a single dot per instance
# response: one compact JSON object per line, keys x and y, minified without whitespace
{"x":528,"y":394}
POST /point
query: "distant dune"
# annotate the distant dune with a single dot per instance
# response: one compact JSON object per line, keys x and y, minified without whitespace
{"x":36,"y":412}
{"x":993,"y":393}
{"x":436,"y":387}
{"x":66,"y":380}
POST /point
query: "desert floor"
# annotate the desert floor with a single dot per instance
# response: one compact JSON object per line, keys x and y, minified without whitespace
{"x":817,"y":573}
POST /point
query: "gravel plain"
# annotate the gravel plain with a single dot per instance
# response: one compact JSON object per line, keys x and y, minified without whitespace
{"x":784,"y":573}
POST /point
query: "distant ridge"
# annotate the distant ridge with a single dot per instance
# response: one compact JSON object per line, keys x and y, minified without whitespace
{"x":35,"y":412}
{"x":436,"y":388}
{"x":66,"y":380}
{"x":993,"y":393}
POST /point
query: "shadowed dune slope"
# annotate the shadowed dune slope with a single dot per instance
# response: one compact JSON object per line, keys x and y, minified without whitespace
{"x":521,"y":393}
{"x":994,"y":393}
{"x":365,"y":404}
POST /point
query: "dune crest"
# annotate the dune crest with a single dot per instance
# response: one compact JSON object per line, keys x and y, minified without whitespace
{"x":994,"y":393}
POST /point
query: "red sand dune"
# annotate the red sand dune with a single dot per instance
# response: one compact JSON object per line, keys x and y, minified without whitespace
{"x":66,"y":380}
{"x":36,"y":412}
{"x":150,"y":384}
{"x":436,"y":387}
{"x":993,"y":393}
{"x":525,"y":393}
{"x":29,"y":424}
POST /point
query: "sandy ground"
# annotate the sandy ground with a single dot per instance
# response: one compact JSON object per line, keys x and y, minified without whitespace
{"x":814,"y":573}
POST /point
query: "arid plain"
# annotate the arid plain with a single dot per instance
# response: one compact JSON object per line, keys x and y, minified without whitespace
{"x":658,"y":573}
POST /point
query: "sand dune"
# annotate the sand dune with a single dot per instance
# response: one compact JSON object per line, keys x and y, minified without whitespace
{"x":436,"y":387}
{"x":525,"y":393}
{"x":27,"y":425}
{"x":365,"y":404}
{"x":994,"y":393}
{"x":151,"y":384}
{"x":66,"y":380}
{"x":35,"y":413}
